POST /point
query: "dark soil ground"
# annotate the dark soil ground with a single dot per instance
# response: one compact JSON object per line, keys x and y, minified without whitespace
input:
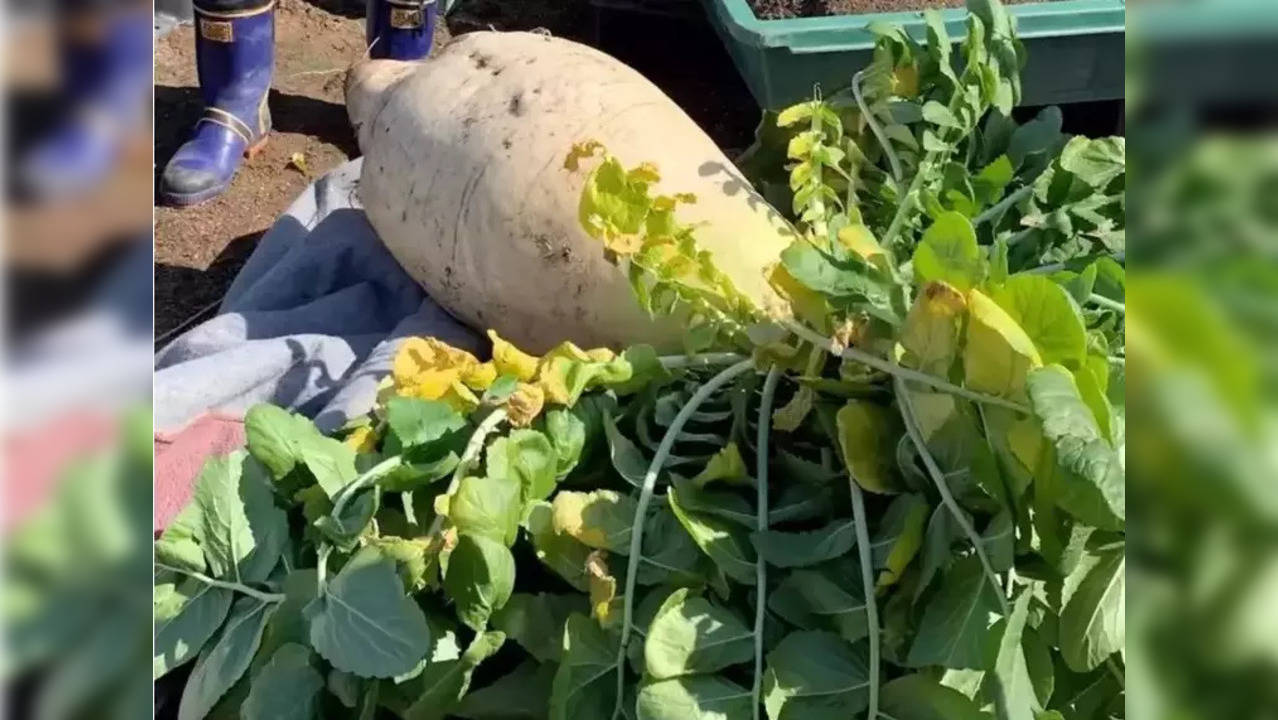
{"x":199,"y":250}
{"x":777,"y":9}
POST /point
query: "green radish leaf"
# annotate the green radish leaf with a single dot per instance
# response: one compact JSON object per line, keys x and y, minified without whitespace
{"x":239,"y":528}
{"x":414,"y":558}
{"x":364,"y":624}
{"x":626,"y":457}
{"x":954,"y":625}
{"x":528,"y":458}
{"x":1093,"y":624}
{"x":721,"y":503}
{"x":1038,"y":661}
{"x":1009,"y":684}
{"x":187,"y":613}
{"x":567,"y":434}
{"x":561,"y":553}
{"x":344,"y":531}
{"x":727,"y":545}
{"x":417,"y":422}
{"x":443,"y":684}
{"x":998,"y":354}
{"x":815,"y":676}
{"x":536,"y":622}
{"x":848,"y":277}
{"x":480,"y":578}
{"x":1093,"y":489}
{"x":899,"y":537}
{"x":697,"y":697}
{"x":345,"y":687}
{"x":286,"y":688}
{"x":1095,"y":161}
{"x":177,"y":546}
{"x":868,"y":433}
{"x":948,"y":253}
{"x":999,"y":539}
{"x":689,"y":635}
{"x":802,"y":549}
{"x":584,"y":685}
{"x":724,"y":466}
{"x":813,"y":600}
{"x":221,"y":665}
{"x":600,"y":519}
{"x":670,"y":556}
{"x":918,"y":697}
{"x":646,"y":370}
{"x":282,"y":441}
{"x":1047,"y":314}
{"x":938,"y":542}
{"x":800,"y":502}
{"x":488,"y":506}
{"x":523,"y":694}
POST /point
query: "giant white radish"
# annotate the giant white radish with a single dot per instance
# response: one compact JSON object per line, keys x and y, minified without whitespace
{"x":464,"y":180}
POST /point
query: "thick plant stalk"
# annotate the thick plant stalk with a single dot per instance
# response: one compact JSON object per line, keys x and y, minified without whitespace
{"x":235,"y":587}
{"x":678,"y":362}
{"x":641,"y":509}
{"x":761,"y":521}
{"x":911,"y":427}
{"x":1105,"y":302}
{"x":867,"y":582}
{"x":469,"y":457}
{"x":874,"y":127}
{"x":369,"y":477}
{"x":897,"y":371}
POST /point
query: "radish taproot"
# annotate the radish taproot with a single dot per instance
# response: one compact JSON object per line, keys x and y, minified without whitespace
{"x":464,"y":179}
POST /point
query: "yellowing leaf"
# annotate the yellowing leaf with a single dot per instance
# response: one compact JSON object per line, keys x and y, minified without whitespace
{"x":603,"y":586}
{"x":860,"y":240}
{"x":790,"y":417}
{"x":600,"y":519}
{"x":1025,"y":440}
{"x":725,"y":465}
{"x":298,"y":160}
{"x":524,"y":404}
{"x":998,"y":354}
{"x":581,"y":151}
{"x":867,"y":439}
{"x":806,"y":304}
{"x":905,"y":81}
{"x":479,"y":376}
{"x":510,"y":360}
{"x":931,"y":333}
{"x":362,"y":439}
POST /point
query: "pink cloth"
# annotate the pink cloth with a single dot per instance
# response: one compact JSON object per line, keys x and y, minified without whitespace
{"x":180,"y":456}
{"x":36,"y":457}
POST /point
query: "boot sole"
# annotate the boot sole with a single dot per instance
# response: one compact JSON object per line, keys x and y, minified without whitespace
{"x":196,"y":198}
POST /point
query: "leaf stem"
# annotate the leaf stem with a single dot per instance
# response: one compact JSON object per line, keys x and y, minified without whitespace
{"x":321,"y":567}
{"x":874,"y":127}
{"x":867,"y":582}
{"x":896,"y":370}
{"x":369,"y":477}
{"x":911,"y":427}
{"x":761,"y":521}
{"x":676,"y":362}
{"x":1105,"y":302}
{"x":641,"y":509}
{"x":1003,"y":204}
{"x":233,"y":586}
{"x":469,"y":457}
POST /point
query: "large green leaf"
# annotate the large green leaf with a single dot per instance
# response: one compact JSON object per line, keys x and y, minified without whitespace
{"x":222,"y":664}
{"x":1093,"y":624}
{"x":1009,"y":684}
{"x":567,"y":434}
{"x":802,"y":549}
{"x":845,"y":277}
{"x":918,"y":697}
{"x":670,"y":556}
{"x":1094,"y":487}
{"x":818,"y":599}
{"x":955,"y":623}
{"x":419,"y":422}
{"x":238,"y":526}
{"x":187,"y":612}
{"x":488,"y":506}
{"x":287,"y":688}
{"x":725,"y":504}
{"x":523,"y":694}
{"x":689,"y":635}
{"x":442,"y":684}
{"x":727,"y":545}
{"x":814,"y":676}
{"x":528,"y":458}
{"x":479,"y":579}
{"x":948,"y":252}
{"x":365,"y":624}
{"x":177,"y":546}
{"x":1046,"y":313}
{"x":561,"y":553}
{"x":697,"y":697}
{"x":536,"y":622}
{"x":584,"y":685}
{"x":281,"y":441}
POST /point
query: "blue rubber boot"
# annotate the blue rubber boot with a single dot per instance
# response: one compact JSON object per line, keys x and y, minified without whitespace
{"x":399,"y":29}
{"x":235,"y":56}
{"x":106,"y":77}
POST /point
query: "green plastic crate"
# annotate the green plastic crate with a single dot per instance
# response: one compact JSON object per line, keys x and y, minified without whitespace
{"x":1075,"y":48}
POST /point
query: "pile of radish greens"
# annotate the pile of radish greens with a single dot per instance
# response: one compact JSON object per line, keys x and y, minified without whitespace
{"x":899,"y":496}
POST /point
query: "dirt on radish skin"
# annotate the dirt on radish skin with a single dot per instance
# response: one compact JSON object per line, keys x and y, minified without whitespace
{"x":464,"y":180}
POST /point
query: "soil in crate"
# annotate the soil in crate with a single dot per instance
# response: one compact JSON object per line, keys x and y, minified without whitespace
{"x":778,"y":9}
